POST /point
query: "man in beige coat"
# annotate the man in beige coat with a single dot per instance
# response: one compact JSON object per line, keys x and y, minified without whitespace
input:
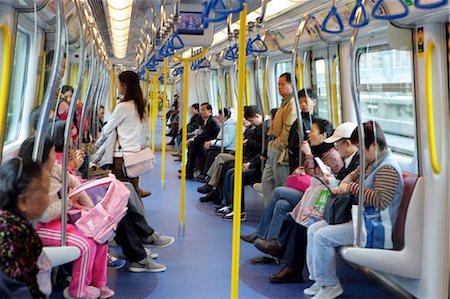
{"x":276,"y":170}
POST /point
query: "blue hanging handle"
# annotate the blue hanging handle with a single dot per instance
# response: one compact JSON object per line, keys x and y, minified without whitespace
{"x":418,"y":4}
{"x":179,"y":42}
{"x":248,"y":48}
{"x":377,"y":6}
{"x":232,"y":53}
{"x":262,"y":48}
{"x":161,"y":79}
{"x":203,"y":63}
{"x":178,"y":71}
{"x":333,"y":13}
{"x":141,"y":73}
{"x":194,"y":66}
{"x":365,"y":18}
{"x":207,"y":10}
{"x":151,"y":64}
{"x":165,"y":51}
{"x":220,"y":7}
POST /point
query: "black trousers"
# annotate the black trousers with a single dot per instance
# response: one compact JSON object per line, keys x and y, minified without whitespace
{"x":293,"y":239}
{"x":130,"y":232}
{"x":195,"y":150}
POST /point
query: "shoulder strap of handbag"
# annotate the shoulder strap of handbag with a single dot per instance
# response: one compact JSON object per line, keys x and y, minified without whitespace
{"x":94,"y":183}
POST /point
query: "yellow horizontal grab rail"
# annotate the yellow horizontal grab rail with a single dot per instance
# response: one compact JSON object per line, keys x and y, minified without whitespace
{"x":429,"y":100}
{"x":194,"y":58}
{"x":6,"y":73}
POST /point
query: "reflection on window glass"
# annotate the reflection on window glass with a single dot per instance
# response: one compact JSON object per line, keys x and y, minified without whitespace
{"x":321,"y":88}
{"x":18,"y":81}
{"x":280,"y":68}
{"x":387,"y":96}
{"x":215,"y":87}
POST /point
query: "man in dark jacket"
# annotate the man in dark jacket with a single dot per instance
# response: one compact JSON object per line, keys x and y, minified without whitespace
{"x":210,"y":129}
{"x":306,"y":106}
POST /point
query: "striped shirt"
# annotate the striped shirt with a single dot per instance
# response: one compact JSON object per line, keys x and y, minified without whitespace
{"x":385,"y":184}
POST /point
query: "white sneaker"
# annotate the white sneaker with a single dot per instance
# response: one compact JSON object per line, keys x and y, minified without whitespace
{"x":146,"y":265}
{"x":329,"y":292}
{"x":150,"y":253}
{"x":223,"y":211}
{"x":312,"y":290}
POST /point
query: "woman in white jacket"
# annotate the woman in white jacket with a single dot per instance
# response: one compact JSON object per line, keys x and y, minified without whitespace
{"x":127,"y":120}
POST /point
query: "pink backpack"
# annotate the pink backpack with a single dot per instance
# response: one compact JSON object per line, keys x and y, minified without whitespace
{"x":100,"y":222}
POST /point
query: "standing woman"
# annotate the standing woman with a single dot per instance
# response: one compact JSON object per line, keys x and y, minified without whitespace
{"x":127,"y":120}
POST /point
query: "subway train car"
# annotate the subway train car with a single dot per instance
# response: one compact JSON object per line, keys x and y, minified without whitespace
{"x":186,"y":148}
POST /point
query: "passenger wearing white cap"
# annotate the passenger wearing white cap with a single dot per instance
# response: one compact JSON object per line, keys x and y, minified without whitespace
{"x":347,"y":150}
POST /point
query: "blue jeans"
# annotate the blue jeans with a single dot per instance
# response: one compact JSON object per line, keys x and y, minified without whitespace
{"x":282,"y":201}
{"x":321,"y":250}
{"x":228,"y":186}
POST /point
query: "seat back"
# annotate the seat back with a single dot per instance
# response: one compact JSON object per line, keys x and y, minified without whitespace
{"x":399,"y":231}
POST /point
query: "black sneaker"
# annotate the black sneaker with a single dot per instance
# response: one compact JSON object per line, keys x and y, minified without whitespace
{"x":205,"y":189}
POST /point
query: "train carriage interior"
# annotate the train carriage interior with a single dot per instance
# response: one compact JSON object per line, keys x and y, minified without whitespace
{"x":215,"y":148}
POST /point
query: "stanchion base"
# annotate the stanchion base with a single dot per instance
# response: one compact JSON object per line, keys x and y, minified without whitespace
{"x":181,"y":230}
{"x":162,"y":185}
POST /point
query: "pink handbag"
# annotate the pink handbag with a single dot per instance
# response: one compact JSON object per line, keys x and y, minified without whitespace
{"x":299,"y":182}
{"x":137,"y":164}
{"x":100,"y":222}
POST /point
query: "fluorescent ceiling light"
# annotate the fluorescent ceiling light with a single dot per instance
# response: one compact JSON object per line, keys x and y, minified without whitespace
{"x":119,"y":17}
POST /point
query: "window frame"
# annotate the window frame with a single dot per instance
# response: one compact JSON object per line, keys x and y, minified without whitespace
{"x":24,"y":72}
{"x":409,"y":157}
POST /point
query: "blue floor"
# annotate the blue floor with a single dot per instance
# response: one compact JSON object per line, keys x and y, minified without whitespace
{"x":199,"y":263}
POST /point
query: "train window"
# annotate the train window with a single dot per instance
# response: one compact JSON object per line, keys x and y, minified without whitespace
{"x":321,"y":88}
{"x":18,"y":81}
{"x":385,"y":83}
{"x":281,"y":68}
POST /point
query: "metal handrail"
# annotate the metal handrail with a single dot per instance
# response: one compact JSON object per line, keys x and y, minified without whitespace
{"x":334,"y":91}
{"x":4,"y":92}
{"x":52,"y":85}
{"x":86,"y":97}
{"x":67,"y":130}
{"x":261,"y":104}
{"x":362,"y":161}
{"x":429,"y":101}
{"x":300,"y":30}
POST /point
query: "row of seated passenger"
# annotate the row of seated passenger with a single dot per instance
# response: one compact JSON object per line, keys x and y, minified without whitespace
{"x":32,"y":191}
{"x":285,"y":226}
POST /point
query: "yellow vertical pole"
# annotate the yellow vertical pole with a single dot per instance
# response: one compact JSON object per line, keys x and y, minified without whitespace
{"x":4,"y":91}
{"x":154,"y":110}
{"x":264,"y":89}
{"x":113,"y":91}
{"x":247,"y":87}
{"x":299,"y":74}
{"x":238,"y":157}
{"x":75,"y":75}
{"x":163,"y":151}
{"x":334,"y":92}
{"x":41,"y":79}
{"x":183,"y":145}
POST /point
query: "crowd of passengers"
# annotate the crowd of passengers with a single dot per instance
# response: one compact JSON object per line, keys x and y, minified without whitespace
{"x":32,"y":190}
{"x":285,"y":232}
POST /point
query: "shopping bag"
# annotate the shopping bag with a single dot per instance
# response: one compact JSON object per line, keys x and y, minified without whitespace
{"x":376,"y":231}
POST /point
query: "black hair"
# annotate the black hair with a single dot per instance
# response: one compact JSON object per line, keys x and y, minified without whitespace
{"x":251,"y":112}
{"x":66,"y":88}
{"x":302,"y":93}
{"x":58,"y":136}
{"x":16,"y":176}
{"x":49,"y":57}
{"x":102,"y":107}
{"x":196,"y":106}
{"x":369,"y":137}
{"x":26,"y":149}
{"x":133,"y":92}
{"x":226,"y":112}
{"x":208,"y":106}
{"x":35,"y":114}
{"x":287,"y":76}
{"x":324,"y":126}
{"x":273,"y":112}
